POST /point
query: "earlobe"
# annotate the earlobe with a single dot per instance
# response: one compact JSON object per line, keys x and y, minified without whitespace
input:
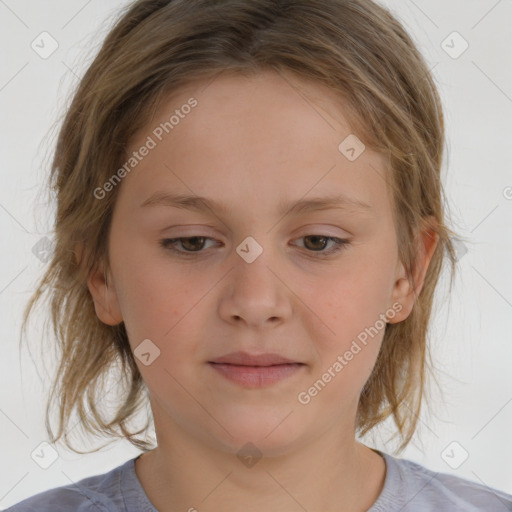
{"x":104,"y":295}
{"x":403,"y":296}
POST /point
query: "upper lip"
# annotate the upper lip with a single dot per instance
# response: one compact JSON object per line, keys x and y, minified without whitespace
{"x":245,"y":359}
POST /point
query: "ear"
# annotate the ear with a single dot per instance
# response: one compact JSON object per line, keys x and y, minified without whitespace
{"x":104,"y":295}
{"x":403,"y":291}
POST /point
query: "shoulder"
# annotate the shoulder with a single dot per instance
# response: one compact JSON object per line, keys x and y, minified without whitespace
{"x":98,"y":493}
{"x":419,"y":489}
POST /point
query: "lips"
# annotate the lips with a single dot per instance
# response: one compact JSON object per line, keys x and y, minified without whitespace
{"x":245,"y":359}
{"x":255,"y":371}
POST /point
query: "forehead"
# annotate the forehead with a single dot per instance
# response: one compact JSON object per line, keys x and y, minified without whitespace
{"x":264,"y":137}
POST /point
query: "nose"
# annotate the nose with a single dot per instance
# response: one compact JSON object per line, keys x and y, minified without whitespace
{"x":256,"y":294}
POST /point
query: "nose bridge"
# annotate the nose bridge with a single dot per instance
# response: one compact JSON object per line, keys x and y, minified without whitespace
{"x":255,"y":292}
{"x":255,"y":258}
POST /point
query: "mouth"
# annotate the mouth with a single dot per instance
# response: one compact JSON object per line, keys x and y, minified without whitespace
{"x":255,"y":371}
{"x":245,"y":359}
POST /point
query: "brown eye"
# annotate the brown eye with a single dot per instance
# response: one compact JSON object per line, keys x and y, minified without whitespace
{"x":190,"y":244}
{"x":195,"y":245}
{"x":318,"y":242}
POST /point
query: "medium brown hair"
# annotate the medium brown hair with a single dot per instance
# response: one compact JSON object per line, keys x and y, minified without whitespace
{"x":358,"y":49}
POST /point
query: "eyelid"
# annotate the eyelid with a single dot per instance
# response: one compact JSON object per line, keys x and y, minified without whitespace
{"x":339,"y":244}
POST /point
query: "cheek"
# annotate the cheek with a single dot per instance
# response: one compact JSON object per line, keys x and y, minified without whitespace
{"x":350,"y":300}
{"x":346,"y":356}
{"x":154,"y":297}
{"x":352,"y":304}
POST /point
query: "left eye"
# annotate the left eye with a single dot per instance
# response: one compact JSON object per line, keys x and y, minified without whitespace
{"x":193,"y":244}
{"x":322,"y":240}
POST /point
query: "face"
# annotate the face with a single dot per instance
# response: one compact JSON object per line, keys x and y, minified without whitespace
{"x":247,"y":271}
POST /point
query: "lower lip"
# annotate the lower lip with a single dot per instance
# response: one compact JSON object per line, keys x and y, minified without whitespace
{"x":256,"y":376}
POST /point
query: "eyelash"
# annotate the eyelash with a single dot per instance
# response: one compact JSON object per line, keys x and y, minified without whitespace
{"x":170,"y":243}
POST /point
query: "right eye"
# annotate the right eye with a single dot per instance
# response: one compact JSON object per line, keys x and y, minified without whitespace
{"x":191,"y":244}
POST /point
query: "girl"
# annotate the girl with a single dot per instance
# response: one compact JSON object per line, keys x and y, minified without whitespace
{"x":250,"y":225}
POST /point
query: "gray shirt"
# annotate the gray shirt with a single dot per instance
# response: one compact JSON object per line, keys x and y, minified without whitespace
{"x":408,"y":487}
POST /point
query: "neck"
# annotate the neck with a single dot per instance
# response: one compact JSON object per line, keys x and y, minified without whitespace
{"x":328,"y":473}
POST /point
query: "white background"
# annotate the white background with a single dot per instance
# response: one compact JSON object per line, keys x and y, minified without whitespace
{"x":472,"y":341}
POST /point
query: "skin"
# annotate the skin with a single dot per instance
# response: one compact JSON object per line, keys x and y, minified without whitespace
{"x":250,"y":143}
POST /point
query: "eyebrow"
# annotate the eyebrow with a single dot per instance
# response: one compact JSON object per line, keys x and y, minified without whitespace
{"x":198,"y":203}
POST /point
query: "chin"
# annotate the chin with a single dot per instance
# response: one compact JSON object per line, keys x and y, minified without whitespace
{"x":263,"y":436}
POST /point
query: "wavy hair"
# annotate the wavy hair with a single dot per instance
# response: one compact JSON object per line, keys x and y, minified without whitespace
{"x":357,"y":48}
